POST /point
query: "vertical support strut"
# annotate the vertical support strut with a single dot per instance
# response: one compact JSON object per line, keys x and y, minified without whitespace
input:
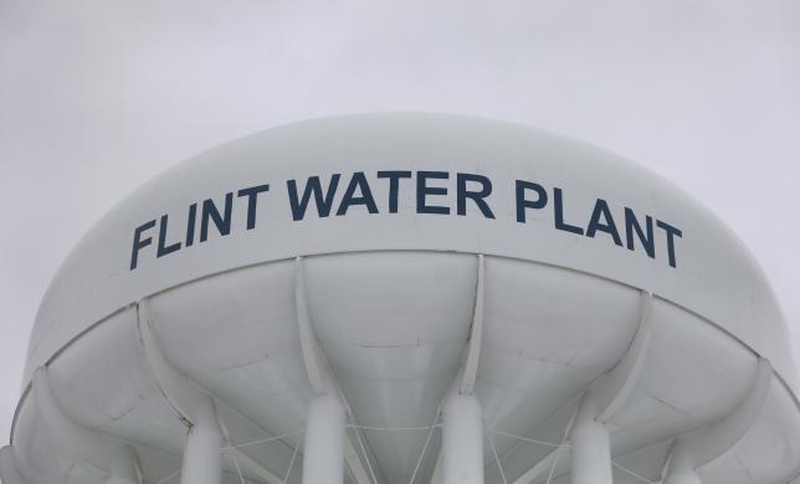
{"x":78,"y":443}
{"x":323,"y":460}
{"x":117,"y":479}
{"x":590,"y":437}
{"x":184,"y":397}
{"x":326,"y":420}
{"x":125,"y":468}
{"x":8,"y":468}
{"x":588,"y":431}
{"x":591,"y":447}
{"x":470,"y":368}
{"x":706,"y":445}
{"x":462,"y":416}
{"x":202,"y":457}
{"x":682,"y":467}
{"x":462,"y":440}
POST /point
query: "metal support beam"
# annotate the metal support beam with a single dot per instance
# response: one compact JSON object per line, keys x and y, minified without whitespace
{"x":326,"y":444}
{"x":26,"y":457}
{"x":188,"y":401}
{"x":176,"y":388}
{"x":436,"y":477}
{"x":462,"y":440}
{"x":681,"y":468}
{"x":318,"y":375}
{"x":611,"y":391}
{"x":202,"y":459}
{"x":81,"y":444}
{"x":588,"y":434}
{"x":254,"y":466}
{"x":591,"y":446}
{"x":462,"y":416}
{"x":470,"y":370}
{"x":590,"y":438}
{"x":323,"y":460}
{"x":710,"y":444}
{"x":547,"y":462}
{"x":125,"y":469}
{"x":8,"y":467}
{"x":704,"y":446}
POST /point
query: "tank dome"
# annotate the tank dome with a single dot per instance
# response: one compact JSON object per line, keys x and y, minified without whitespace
{"x":383,"y":276}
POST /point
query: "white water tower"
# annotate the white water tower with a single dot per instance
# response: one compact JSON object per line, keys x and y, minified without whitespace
{"x":406,"y":298}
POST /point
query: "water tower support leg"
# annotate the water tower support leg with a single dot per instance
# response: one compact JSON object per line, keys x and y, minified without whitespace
{"x":462,"y":440}
{"x":117,"y":479}
{"x":681,"y":468}
{"x":125,"y":467}
{"x":323,"y":460}
{"x":75,"y":442}
{"x":8,"y":468}
{"x":591,"y":448}
{"x":462,"y":418}
{"x":202,"y":457}
{"x":327,"y":444}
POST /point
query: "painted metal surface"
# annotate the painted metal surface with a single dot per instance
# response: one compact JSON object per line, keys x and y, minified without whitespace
{"x":405,"y":322}
{"x":715,"y":276}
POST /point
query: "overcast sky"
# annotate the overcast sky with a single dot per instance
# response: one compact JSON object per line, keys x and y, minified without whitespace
{"x":96,"y":97}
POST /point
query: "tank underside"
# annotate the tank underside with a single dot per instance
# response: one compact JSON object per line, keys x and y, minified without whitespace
{"x":421,"y":360}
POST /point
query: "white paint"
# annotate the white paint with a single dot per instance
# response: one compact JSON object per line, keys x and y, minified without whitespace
{"x":384,"y":301}
{"x":323,"y":457}
{"x":202,"y":456}
{"x":681,"y":468}
{"x":591,"y":446}
{"x":705,"y":94}
{"x":470,"y":371}
{"x":462,"y":440}
{"x":716,"y":277}
{"x":8,"y":468}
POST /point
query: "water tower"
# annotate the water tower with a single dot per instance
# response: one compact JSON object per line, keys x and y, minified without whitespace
{"x":407,"y":298}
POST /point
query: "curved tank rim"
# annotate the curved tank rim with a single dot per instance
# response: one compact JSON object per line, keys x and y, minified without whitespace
{"x":409,"y":115}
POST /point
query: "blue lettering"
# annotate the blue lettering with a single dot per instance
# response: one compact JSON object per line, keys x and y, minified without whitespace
{"x":252,"y":199}
{"x":190,"y":225}
{"x":163,"y":249}
{"x":139,"y":243}
{"x":522,"y":203}
{"x":423,"y":190}
{"x":394,"y":186}
{"x":210,"y":212}
{"x":313,"y":186}
{"x":358,"y":182}
{"x":462,"y":194}
{"x":559,"y":207}
{"x":632,"y":227}
{"x":609,"y":227}
{"x":671,"y":233}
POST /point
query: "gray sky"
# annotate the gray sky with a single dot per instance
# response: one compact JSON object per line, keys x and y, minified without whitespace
{"x":98,"y":96}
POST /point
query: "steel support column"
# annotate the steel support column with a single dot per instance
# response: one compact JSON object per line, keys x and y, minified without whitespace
{"x":202,"y":456}
{"x":591,"y":447}
{"x":589,"y":436}
{"x":78,"y":443}
{"x":682,"y":467}
{"x":326,"y":445}
{"x":8,"y":468}
{"x":120,"y":479}
{"x":125,"y":467}
{"x":587,"y":431}
{"x":706,"y":445}
{"x":462,"y":416}
{"x":323,"y":459}
{"x":462,"y":440}
{"x":179,"y":391}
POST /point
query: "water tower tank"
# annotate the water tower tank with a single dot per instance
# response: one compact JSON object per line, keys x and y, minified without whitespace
{"x":407,"y":298}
